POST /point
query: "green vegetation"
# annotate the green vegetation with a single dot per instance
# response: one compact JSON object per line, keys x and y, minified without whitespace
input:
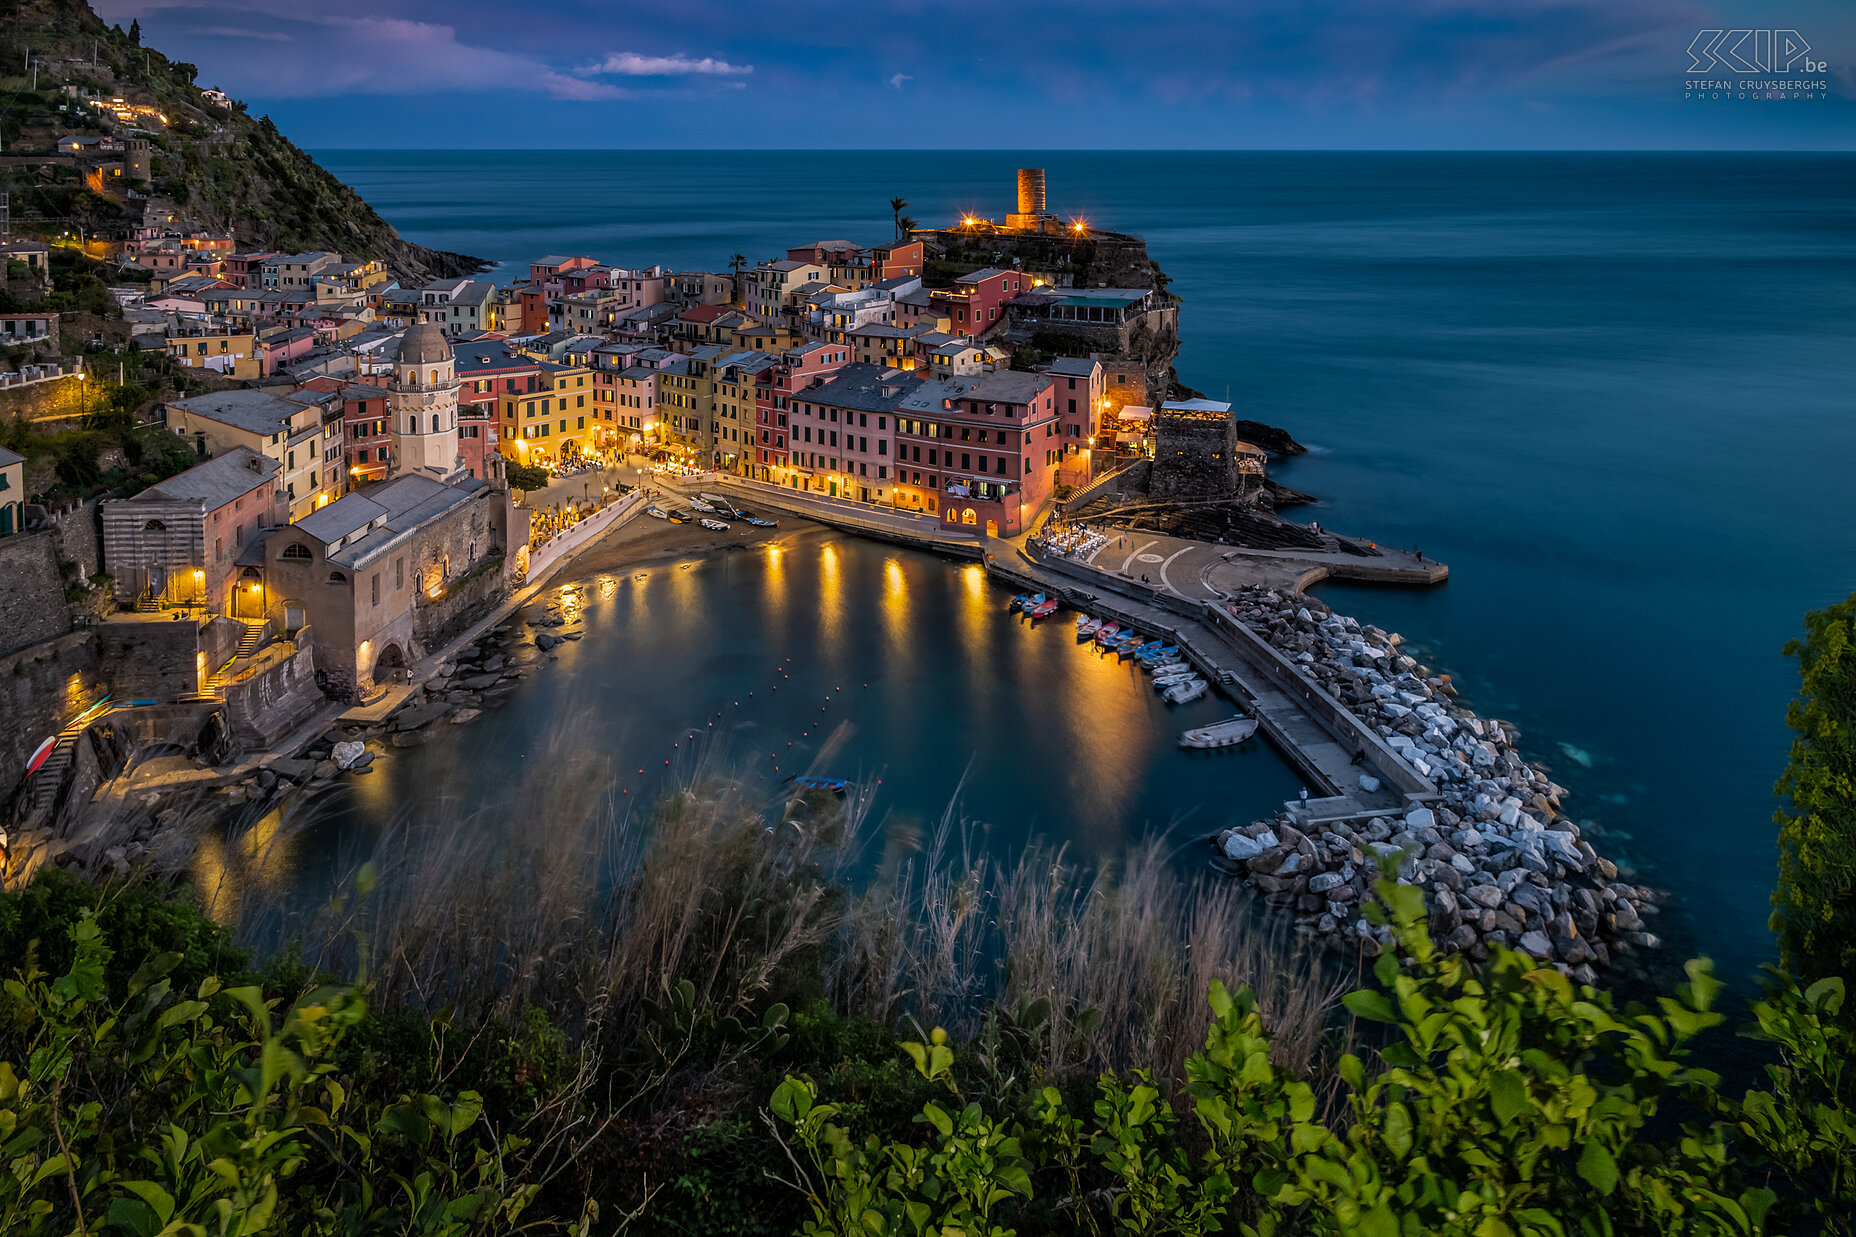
{"x":695,"y":1020}
{"x":1815,"y":903}
{"x":526,"y":477}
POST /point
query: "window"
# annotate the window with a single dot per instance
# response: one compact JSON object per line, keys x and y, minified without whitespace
{"x":336,"y":577}
{"x":296,"y":551}
{"x":154,"y":526}
{"x":376,"y":587}
{"x":399,"y":573}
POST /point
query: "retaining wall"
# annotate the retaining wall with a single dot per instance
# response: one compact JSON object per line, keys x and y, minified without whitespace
{"x":544,"y":560}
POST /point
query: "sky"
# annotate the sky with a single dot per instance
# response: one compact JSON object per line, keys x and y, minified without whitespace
{"x":1014,"y":74}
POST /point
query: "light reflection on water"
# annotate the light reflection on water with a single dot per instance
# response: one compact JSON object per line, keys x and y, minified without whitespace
{"x":914,"y":657}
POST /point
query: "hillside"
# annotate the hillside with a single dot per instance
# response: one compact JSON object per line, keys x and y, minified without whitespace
{"x":215,"y":164}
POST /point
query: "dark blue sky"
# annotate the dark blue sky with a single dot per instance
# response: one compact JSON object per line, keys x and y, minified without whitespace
{"x":1096,"y":74}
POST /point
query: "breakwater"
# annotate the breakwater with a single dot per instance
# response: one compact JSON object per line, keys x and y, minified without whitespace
{"x":1499,"y":862}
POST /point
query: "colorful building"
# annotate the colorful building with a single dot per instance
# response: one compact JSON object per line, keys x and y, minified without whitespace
{"x":980,"y":452}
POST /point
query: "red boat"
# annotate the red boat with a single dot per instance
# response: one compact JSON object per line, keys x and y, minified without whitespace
{"x":1044,"y":609}
{"x":1107,"y":632}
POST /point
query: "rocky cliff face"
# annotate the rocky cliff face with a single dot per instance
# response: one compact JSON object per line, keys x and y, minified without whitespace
{"x":221,"y":167}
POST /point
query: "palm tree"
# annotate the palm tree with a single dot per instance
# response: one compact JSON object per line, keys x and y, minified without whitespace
{"x":905,"y":224}
{"x":896,"y":207}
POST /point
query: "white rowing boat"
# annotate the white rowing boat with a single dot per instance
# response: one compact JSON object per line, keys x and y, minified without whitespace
{"x":1228,"y":733}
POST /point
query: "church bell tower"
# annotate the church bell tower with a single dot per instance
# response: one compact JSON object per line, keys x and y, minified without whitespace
{"x":423,"y":403}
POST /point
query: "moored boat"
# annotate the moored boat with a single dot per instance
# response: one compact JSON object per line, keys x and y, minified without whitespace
{"x":1106,"y":633}
{"x":1087,"y":627}
{"x":1228,"y":733}
{"x":1187,"y":691}
{"x":836,"y":785}
{"x":757,"y":521}
{"x":659,"y":512}
{"x":714,"y":525}
{"x":700,"y":505}
{"x":1044,"y":609}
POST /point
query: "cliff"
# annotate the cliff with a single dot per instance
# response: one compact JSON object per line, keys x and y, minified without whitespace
{"x":217,"y":165}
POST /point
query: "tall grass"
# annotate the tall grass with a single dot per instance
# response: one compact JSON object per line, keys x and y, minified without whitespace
{"x":598,"y":910}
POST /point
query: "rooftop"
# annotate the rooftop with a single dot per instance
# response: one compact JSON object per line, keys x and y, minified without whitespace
{"x":864,"y":388}
{"x":217,"y":482}
{"x":255,"y":412}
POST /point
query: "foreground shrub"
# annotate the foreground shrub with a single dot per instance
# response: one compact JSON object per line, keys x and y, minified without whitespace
{"x":1508,"y":1103}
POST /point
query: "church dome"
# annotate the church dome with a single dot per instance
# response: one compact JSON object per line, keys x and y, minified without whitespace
{"x":424,"y":344}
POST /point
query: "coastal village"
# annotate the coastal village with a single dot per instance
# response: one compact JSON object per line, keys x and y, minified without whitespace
{"x":329,"y":578}
{"x":383,"y":460}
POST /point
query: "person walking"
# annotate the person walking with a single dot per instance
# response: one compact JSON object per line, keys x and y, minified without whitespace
{"x":1304,"y":798}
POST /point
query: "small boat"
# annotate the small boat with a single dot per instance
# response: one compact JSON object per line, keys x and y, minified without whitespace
{"x":659,"y":512}
{"x":1044,"y":609}
{"x":1106,"y":633}
{"x":1150,"y":648}
{"x":1228,"y":733}
{"x":757,"y":522}
{"x":38,"y":756}
{"x":700,"y":505}
{"x":1190,"y":690}
{"x":1183,"y":675}
{"x":677,"y":517}
{"x":836,"y":785}
{"x":720,"y":503}
{"x":1087,"y":627}
{"x":1154,"y":661}
{"x":713,"y":525}
{"x":1123,"y":639}
{"x":1024,"y":601}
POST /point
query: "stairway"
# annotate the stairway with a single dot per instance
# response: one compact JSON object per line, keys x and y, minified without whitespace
{"x":214,"y":687}
{"x":248,"y":643}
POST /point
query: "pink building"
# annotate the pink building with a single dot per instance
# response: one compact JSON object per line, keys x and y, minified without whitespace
{"x":980,"y":452}
{"x":774,"y":390}
{"x":975,"y":304}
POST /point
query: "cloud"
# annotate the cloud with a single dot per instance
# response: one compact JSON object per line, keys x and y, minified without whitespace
{"x":631,"y":64}
{"x":896,"y":80}
{"x":236,"y":32}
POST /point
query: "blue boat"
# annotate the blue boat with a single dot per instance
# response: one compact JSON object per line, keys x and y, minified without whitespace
{"x":836,"y":785}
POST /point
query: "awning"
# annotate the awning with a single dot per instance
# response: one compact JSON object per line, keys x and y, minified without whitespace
{"x":1136,"y":412}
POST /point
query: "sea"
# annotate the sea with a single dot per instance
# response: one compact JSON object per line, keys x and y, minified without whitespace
{"x":1616,"y":393}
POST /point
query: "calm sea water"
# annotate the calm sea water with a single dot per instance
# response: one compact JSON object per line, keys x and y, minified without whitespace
{"x":1613,"y":392}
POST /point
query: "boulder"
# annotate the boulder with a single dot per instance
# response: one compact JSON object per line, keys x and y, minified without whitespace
{"x":408,"y":738}
{"x":1368,"y":783}
{"x":1321,"y":882}
{"x":1536,"y":945}
{"x":1487,"y":896}
{"x":546,"y":641}
{"x":1237,"y":846}
{"x":419,"y":715}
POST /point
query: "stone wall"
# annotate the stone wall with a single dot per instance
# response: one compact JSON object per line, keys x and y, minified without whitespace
{"x":55,"y":397}
{"x":154,"y":660}
{"x":32,"y":607}
{"x":75,"y":531}
{"x":1195,"y":457}
{"x":271,"y":703}
{"x":437,"y":623}
{"x":41,"y":689}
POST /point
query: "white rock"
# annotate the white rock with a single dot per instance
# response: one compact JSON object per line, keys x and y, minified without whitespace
{"x":346,"y":754}
{"x":1420,"y":818}
{"x":1237,"y":846}
{"x":1368,"y":783}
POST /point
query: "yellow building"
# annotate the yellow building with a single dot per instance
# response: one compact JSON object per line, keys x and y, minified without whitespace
{"x":291,"y":431}
{"x":231,"y":353}
{"x":557,"y":419}
{"x":755,"y":335}
{"x":686,"y":400}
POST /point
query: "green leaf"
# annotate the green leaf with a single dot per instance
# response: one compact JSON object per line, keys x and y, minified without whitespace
{"x":1508,"y":1095}
{"x":1396,"y":1130}
{"x":1596,"y":1166}
{"x":1371,"y":1005}
{"x":935,"y":1116}
{"x":158,"y":1199}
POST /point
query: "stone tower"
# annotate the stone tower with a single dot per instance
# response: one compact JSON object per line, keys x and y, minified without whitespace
{"x":423,"y":401}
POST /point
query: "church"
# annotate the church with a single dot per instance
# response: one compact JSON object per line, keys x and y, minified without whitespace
{"x":384,"y":575}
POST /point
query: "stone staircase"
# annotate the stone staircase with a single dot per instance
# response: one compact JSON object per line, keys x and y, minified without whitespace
{"x":214,"y":687}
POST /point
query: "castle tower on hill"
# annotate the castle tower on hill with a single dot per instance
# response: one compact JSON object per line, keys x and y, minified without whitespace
{"x":423,"y":402}
{"x":1033,"y":212}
